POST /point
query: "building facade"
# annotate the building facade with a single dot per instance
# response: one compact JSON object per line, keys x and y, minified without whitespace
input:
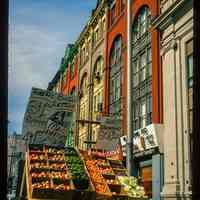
{"x":16,"y":150}
{"x":161,"y":70}
{"x":92,"y":45}
{"x":116,"y":63}
{"x":147,"y":101}
{"x":175,"y":24}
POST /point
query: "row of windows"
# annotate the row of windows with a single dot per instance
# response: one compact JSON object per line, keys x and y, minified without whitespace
{"x":92,"y":41}
{"x":142,"y":71}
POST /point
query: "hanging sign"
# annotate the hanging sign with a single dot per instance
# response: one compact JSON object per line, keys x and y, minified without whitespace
{"x":109,"y":134}
{"x":47,"y":116}
{"x":143,"y":139}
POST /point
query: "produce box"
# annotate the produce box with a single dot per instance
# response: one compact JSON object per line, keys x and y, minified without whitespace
{"x":131,"y":187}
{"x":84,"y":189}
{"x":103,"y":177}
{"x":101,"y":188}
{"x":48,"y":175}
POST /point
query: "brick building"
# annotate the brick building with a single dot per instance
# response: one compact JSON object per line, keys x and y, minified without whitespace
{"x":161,"y":87}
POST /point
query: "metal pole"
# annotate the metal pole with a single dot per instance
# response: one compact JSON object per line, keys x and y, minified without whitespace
{"x":129,"y":159}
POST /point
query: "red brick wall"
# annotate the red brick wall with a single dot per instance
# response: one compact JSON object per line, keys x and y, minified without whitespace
{"x":71,"y":83}
{"x":119,"y":27}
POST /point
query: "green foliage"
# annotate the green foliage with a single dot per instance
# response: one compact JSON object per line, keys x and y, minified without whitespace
{"x":76,"y":166}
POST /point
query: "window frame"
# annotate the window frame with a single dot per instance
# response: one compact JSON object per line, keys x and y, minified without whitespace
{"x":115,"y":65}
{"x":142,"y":72}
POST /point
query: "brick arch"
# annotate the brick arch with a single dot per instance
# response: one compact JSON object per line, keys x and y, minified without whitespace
{"x":138,"y":4}
{"x":111,"y":43}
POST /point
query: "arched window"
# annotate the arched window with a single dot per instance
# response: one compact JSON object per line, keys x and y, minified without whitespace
{"x":141,"y":70}
{"x":115,"y":77}
{"x":83,"y":86}
{"x":97,"y":90}
{"x":98,"y":70}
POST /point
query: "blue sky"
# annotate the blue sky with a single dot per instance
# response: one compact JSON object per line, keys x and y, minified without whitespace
{"x":39,"y":31}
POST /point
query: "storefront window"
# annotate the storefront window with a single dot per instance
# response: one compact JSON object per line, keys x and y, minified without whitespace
{"x":146,"y":180}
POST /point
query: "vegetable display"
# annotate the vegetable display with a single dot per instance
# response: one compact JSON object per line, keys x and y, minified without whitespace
{"x":76,"y":166}
{"x":66,"y":173}
{"x":131,"y":186}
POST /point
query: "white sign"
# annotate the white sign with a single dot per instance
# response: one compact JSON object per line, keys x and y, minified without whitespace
{"x":143,"y":139}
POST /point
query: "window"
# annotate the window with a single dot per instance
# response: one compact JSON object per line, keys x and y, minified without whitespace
{"x":113,"y":14}
{"x":98,"y":70}
{"x":71,"y":70}
{"x":82,"y":138}
{"x":142,"y":23}
{"x":97,"y":100}
{"x":83,"y":86}
{"x":83,"y":55}
{"x":97,"y":35}
{"x":141,"y":71}
{"x":115,"y":76}
{"x":103,"y":25}
{"x":123,"y":3}
{"x":64,"y":77}
{"x":189,"y":70}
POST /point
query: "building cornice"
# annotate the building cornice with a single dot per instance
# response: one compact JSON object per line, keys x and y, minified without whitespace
{"x":168,"y":17}
{"x":98,"y":13}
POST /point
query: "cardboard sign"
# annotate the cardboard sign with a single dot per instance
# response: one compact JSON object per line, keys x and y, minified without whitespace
{"x":108,"y":134}
{"x":47,"y":117}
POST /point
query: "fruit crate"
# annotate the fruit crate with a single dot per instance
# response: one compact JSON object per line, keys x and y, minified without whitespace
{"x":60,"y":187}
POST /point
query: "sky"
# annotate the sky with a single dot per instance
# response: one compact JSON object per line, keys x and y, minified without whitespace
{"x":39,"y":31}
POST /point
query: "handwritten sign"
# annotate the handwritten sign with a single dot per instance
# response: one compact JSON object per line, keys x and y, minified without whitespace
{"x":108,"y":134}
{"x":47,"y":116}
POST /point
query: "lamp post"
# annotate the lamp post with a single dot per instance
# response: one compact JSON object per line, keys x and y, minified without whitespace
{"x":129,"y":159}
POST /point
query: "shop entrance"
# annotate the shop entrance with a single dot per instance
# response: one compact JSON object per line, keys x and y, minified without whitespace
{"x":146,"y":179}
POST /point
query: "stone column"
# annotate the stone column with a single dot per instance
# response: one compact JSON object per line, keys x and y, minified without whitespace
{"x":171,"y":165}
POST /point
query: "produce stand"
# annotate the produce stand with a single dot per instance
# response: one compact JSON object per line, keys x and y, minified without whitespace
{"x":47,"y":174}
{"x":58,"y":173}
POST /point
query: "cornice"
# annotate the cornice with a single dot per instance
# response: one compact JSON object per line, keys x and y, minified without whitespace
{"x":98,"y":13}
{"x":168,"y":17}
